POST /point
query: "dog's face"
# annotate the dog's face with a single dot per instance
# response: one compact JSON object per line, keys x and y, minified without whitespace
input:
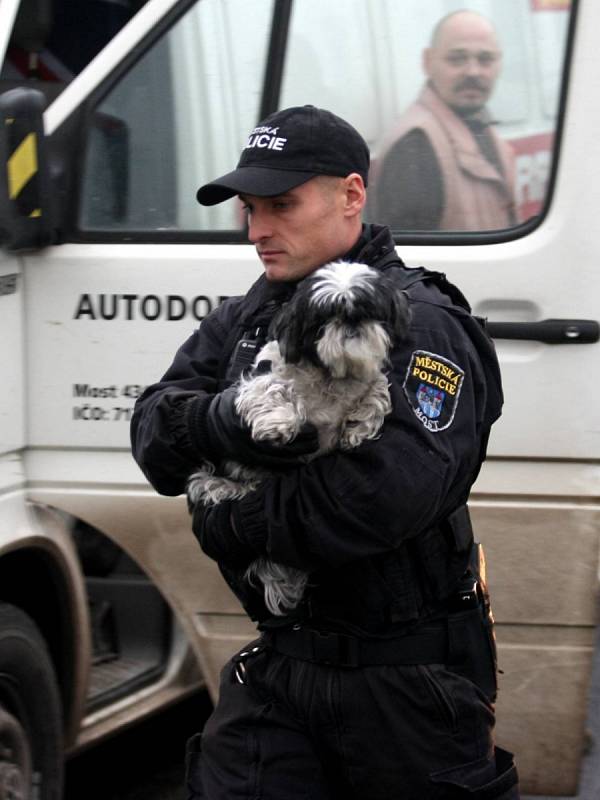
{"x":343,"y":317}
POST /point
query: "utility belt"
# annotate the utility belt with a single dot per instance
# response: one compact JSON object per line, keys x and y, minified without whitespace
{"x":463,"y":640}
{"x":428,"y":646}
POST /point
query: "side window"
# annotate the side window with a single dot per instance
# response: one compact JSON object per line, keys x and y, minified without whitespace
{"x":457,"y":99}
{"x":460,"y":112}
{"x":177,"y":119}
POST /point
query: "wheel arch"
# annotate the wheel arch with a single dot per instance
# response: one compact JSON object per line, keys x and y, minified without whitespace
{"x":40,"y":574}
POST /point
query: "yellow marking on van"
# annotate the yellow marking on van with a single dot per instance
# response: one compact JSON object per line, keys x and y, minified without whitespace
{"x":22,"y":165}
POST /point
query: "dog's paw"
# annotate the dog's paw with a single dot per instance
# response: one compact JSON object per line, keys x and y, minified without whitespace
{"x":197,"y":488}
{"x":205,"y":487}
{"x":271,"y":409}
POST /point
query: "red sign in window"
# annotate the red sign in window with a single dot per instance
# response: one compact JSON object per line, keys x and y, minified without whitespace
{"x":533,"y":157}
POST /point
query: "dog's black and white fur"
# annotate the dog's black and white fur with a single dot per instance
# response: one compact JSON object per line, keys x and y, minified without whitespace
{"x":327,"y":351}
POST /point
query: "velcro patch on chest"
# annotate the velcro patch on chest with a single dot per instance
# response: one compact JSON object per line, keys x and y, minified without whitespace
{"x":432,"y":387}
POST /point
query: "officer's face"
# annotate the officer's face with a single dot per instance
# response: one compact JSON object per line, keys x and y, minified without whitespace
{"x":463,"y":62}
{"x":299,"y":231}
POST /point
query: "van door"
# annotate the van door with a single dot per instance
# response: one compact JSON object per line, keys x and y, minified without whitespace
{"x":535,"y":504}
{"x":142,"y":264}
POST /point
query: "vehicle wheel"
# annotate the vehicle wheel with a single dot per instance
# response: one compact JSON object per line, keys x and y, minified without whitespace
{"x":30,"y":713}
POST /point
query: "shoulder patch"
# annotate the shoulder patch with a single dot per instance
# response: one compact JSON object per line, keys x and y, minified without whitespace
{"x":432,"y":387}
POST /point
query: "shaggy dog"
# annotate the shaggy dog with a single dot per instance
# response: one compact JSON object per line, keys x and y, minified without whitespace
{"x":327,"y":351}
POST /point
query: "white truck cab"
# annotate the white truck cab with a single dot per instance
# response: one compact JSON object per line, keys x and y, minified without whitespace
{"x":108,"y":125}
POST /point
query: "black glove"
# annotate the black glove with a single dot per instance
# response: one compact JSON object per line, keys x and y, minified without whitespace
{"x":219,"y":433}
{"x":215,"y":530}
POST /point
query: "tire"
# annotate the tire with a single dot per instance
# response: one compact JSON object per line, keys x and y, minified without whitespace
{"x":31,"y":736}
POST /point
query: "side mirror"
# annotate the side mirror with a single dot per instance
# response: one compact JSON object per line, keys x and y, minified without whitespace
{"x":25,"y":198}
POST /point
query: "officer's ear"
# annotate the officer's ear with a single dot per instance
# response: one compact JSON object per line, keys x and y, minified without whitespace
{"x":355,"y":194}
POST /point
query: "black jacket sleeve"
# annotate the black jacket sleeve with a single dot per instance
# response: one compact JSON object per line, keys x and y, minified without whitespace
{"x":161,"y":439}
{"x":347,"y":506}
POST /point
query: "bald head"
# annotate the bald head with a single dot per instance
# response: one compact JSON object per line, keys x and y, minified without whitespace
{"x":463,"y":60}
{"x":460,"y":22}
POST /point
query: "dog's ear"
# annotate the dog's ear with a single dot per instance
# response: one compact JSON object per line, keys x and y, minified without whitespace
{"x":287,"y":329}
{"x":397,"y":311}
{"x":400,"y":315}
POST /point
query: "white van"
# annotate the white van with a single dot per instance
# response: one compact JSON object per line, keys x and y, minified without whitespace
{"x":108,"y":264}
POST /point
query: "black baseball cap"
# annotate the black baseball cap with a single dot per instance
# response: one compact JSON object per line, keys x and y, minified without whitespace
{"x":288,"y":148}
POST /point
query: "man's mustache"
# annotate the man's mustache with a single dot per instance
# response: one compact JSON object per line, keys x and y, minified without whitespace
{"x":471,"y":82}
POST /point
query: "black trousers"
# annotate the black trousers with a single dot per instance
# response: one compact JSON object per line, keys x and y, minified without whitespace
{"x":288,"y":729}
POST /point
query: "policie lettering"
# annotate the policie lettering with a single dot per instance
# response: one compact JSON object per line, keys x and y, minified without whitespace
{"x":265,"y":137}
{"x":437,"y":373}
{"x":151,"y":307}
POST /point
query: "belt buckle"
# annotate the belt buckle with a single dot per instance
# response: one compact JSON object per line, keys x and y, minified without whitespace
{"x":335,"y":649}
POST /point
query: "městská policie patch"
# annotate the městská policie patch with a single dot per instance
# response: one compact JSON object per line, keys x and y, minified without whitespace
{"x":432,"y":387}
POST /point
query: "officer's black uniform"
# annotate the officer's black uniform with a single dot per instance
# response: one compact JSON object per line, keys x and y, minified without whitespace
{"x":381,"y":684}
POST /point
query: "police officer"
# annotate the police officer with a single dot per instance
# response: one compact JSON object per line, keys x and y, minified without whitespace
{"x":381,"y":683}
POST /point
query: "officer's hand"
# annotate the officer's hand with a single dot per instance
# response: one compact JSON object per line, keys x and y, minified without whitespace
{"x":230,"y":438}
{"x":214,"y":528}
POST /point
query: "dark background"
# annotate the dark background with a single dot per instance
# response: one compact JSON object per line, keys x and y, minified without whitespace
{"x":145,"y":762}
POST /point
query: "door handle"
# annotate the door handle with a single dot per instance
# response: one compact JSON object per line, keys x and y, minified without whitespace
{"x":550,"y":331}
